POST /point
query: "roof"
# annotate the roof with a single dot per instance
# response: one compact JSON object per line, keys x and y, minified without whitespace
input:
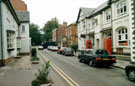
{"x":86,"y":12}
{"x":101,"y":7}
{"x":23,"y":16}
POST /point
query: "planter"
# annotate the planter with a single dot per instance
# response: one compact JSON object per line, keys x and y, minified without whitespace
{"x":50,"y":84}
{"x":35,"y":62}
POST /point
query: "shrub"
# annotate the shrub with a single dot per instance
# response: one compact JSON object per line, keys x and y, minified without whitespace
{"x":35,"y":59}
{"x":42,"y":75}
{"x":33,"y":52}
{"x":74,"y":47}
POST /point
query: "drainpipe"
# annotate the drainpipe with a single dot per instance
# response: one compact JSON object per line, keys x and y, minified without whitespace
{"x":2,"y":56}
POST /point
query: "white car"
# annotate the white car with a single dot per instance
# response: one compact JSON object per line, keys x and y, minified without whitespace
{"x":40,"y":48}
{"x":54,"y":48}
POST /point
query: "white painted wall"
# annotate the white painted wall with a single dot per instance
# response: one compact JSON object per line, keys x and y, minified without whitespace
{"x":9,"y":23}
{"x":25,"y":40}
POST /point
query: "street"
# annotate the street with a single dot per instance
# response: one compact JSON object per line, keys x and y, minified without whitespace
{"x":85,"y":75}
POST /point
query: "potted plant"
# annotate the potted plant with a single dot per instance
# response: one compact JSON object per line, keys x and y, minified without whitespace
{"x":42,"y":78}
{"x":35,"y":59}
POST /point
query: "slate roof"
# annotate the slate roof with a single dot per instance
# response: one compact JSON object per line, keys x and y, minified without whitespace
{"x":101,"y":7}
{"x":87,"y":11}
{"x":23,"y":16}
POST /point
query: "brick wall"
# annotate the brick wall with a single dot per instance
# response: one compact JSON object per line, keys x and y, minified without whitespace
{"x":19,"y":5}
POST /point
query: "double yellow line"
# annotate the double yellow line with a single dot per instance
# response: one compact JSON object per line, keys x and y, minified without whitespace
{"x":60,"y":72}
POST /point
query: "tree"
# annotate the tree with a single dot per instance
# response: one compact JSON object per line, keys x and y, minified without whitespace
{"x":74,"y":47}
{"x":48,"y":27}
{"x":35,"y":34}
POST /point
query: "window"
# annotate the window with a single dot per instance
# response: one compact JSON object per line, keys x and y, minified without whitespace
{"x":94,"y":22}
{"x":23,"y":28}
{"x":10,"y":40}
{"x":121,"y":8}
{"x":123,"y":37}
{"x":83,"y":24}
{"x":18,"y":42}
{"x":108,"y":16}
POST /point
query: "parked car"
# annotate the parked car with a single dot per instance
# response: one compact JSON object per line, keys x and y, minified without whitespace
{"x":67,"y":51}
{"x":130,"y":72}
{"x":96,"y":56}
{"x":60,"y":50}
{"x":54,"y":48}
{"x":40,"y":48}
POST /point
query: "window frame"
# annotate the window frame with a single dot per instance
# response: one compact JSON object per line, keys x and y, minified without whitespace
{"x":121,"y":8}
{"x":10,"y":40}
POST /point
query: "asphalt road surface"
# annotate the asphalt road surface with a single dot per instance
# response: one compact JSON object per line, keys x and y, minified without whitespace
{"x":85,"y":75}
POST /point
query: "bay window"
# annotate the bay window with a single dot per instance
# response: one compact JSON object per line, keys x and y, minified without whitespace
{"x":123,"y":37}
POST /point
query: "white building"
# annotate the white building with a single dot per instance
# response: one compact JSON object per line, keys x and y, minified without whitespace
{"x":10,"y":39}
{"x":107,"y":27}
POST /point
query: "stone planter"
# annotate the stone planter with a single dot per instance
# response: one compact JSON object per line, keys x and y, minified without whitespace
{"x":35,"y":62}
{"x":50,"y":84}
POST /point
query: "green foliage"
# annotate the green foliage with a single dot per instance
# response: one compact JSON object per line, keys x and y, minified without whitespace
{"x":34,"y":52}
{"x":36,"y":82}
{"x":74,"y":47}
{"x":35,"y":58}
{"x":35,"y":34}
{"x":42,"y":75}
{"x":48,"y":27}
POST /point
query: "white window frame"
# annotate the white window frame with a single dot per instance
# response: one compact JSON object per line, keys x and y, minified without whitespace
{"x":18,"y":42}
{"x":108,"y":16}
{"x":122,"y":36}
{"x":10,"y":40}
{"x":94,"y":22}
{"x":121,"y":8}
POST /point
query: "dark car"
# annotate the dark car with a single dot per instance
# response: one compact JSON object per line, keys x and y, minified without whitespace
{"x":96,"y":57}
{"x":67,"y":51}
{"x":130,"y":72}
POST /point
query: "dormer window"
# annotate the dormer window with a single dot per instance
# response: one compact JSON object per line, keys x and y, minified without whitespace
{"x":121,"y":8}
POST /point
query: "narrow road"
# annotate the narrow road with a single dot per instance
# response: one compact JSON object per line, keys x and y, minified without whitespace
{"x":85,"y":75}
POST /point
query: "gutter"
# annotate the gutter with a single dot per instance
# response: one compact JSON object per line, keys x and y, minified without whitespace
{"x":1,"y":30}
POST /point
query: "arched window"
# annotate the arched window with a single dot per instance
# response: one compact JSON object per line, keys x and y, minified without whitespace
{"x":123,"y":37}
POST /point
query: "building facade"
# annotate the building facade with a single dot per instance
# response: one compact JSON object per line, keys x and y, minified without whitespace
{"x":71,"y":34}
{"x":59,"y":33}
{"x":10,"y":39}
{"x":106,"y":27}
{"x":21,"y":10}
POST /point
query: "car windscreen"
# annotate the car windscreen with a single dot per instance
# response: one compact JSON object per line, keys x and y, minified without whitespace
{"x":68,"y":49}
{"x":100,"y":52}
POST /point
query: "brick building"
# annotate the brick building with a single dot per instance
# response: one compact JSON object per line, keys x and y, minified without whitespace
{"x":71,"y":34}
{"x":59,"y":33}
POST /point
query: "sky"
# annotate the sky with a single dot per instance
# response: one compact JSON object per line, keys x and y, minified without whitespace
{"x":42,"y":11}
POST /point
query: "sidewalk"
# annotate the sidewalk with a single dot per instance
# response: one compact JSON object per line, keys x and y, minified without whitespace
{"x":122,"y":61}
{"x":20,"y":72}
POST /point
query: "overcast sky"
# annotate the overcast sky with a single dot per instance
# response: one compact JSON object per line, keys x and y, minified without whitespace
{"x":64,"y":10}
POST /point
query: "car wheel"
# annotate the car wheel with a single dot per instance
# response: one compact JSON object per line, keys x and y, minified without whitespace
{"x":80,"y":59}
{"x":92,"y":64}
{"x":131,"y":75}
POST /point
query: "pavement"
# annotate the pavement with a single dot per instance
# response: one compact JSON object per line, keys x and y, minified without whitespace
{"x":20,"y":72}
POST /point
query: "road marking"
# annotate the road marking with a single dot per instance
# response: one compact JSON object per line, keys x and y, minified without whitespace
{"x":60,"y":72}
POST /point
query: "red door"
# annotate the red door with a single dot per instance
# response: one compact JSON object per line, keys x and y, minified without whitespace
{"x":88,"y":44}
{"x":108,"y":44}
